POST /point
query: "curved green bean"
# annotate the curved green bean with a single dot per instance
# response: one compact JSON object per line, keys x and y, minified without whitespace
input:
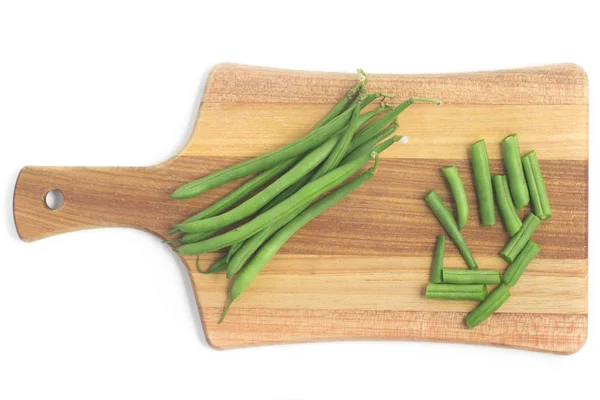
{"x":460,"y":196}
{"x":217,"y":266}
{"x":509,"y":215}
{"x":515,"y":270}
{"x":446,"y":218}
{"x":483,"y":183}
{"x":537,"y":187}
{"x":520,"y":239}
{"x":242,"y":191}
{"x":311,"y":191}
{"x":373,"y":129}
{"x":264,"y":255}
{"x":250,"y":206}
{"x":486,"y":308}
{"x":438,"y":259}
{"x":514,"y":171}
{"x":265,"y":161}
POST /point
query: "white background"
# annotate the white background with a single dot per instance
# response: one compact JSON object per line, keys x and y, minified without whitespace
{"x":110,"y":313}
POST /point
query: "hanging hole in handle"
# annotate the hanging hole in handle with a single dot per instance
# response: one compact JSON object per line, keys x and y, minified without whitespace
{"x":54,"y":199}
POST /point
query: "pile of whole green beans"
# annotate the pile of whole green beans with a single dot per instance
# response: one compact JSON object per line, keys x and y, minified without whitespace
{"x":522,"y":183}
{"x":256,"y":219}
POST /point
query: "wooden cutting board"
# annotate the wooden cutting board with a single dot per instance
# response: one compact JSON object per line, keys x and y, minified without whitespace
{"x":359,"y":270}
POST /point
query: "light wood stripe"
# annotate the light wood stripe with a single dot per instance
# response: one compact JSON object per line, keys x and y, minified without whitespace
{"x":444,"y":132}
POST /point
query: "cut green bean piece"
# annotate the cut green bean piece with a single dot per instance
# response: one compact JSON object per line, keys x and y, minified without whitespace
{"x":509,"y":215}
{"x":310,"y":192}
{"x":537,"y":186}
{"x":466,"y":276}
{"x":516,"y":269}
{"x":483,"y":183}
{"x":460,"y":196}
{"x":218,"y":266}
{"x":243,"y":191}
{"x":255,"y":203}
{"x":438,"y":259}
{"x":265,"y":161}
{"x":266,"y":253}
{"x":455,"y":292}
{"x":514,"y":171}
{"x":491,"y":304}
{"x":445,"y":217}
{"x":520,"y":239}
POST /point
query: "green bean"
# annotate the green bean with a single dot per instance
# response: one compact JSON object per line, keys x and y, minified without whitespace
{"x":491,"y":304}
{"x":196,"y":236}
{"x":445,"y":217}
{"x":250,"y":206}
{"x":438,"y":259}
{"x":483,"y":183}
{"x":217,"y":266}
{"x":459,"y":194}
{"x":253,"y":243}
{"x":264,"y":255}
{"x":509,"y":215}
{"x":265,"y":161}
{"x":516,"y":269}
{"x":467,"y":276}
{"x":514,"y":171}
{"x":520,"y":239}
{"x":455,"y":292}
{"x":311,"y":191}
{"x":370,"y":131}
{"x":243,"y":191}
{"x":537,"y":187}
{"x":233,"y":249}
{"x":349,"y":97}
{"x":371,"y":143}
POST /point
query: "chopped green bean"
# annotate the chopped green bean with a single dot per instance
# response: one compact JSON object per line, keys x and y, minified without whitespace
{"x":514,"y":170}
{"x":516,"y":269}
{"x":455,"y":292}
{"x":537,"y":187}
{"x":467,"y":276}
{"x":491,"y":304}
{"x":445,"y":217}
{"x":459,"y":194}
{"x":520,"y":239}
{"x":509,"y":215}
{"x":483,"y":183}
{"x":438,"y":259}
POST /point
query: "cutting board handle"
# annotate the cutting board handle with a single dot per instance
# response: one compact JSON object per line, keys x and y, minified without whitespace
{"x":93,"y":198}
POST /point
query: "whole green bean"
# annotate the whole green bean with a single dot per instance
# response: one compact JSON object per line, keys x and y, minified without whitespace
{"x":509,"y":215}
{"x":255,"y":203}
{"x":460,"y":196}
{"x":438,"y":259}
{"x":520,"y":239}
{"x":253,"y":243}
{"x":483,"y":183}
{"x":491,"y":304}
{"x":467,"y":276}
{"x":514,"y":171}
{"x":217,"y":266}
{"x":311,"y":191}
{"x":242,"y":191}
{"x":349,"y":97}
{"x":264,"y":255}
{"x":445,"y":217}
{"x":265,"y":161}
{"x":537,"y":186}
{"x":516,"y":269}
{"x":373,"y":129}
{"x":455,"y":292}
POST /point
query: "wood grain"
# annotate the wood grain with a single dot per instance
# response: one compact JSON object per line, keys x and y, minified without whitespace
{"x":358,"y":271}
